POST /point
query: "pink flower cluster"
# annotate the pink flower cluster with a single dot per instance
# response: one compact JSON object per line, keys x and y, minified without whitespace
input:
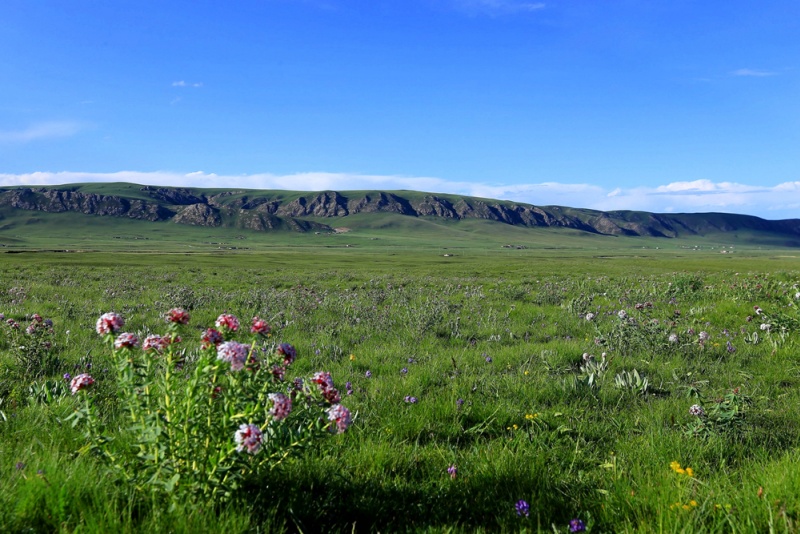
{"x":325,"y":382}
{"x":281,"y":406}
{"x":80,"y":382}
{"x":212,"y":337}
{"x":248,"y":438}
{"x":260,"y":327}
{"x":234,"y":353}
{"x":340,"y":416}
{"x":109,"y":323}
{"x":288,"y":352}
{"x":229,"y":322}
{"x":177,"y":316}
{"x":126,"y":340}
{"x":156,"y":343}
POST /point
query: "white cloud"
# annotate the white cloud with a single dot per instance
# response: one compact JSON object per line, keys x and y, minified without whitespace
{"x":780,"y":201}
{"x":183,"y":83}
{"x":752,"y":72}
{"x":42,"y":130}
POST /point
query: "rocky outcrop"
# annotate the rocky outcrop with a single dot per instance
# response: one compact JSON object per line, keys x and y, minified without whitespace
{"x":199,"y":215}
{"x":58,"y":201}
{"x":269,"y":211}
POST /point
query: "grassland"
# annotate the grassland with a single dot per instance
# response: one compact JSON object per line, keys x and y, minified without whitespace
{"x":489,"y":342}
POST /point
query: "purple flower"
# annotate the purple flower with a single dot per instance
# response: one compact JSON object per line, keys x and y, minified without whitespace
{"x":523,"y":508}
{"x":349,"y":387}
{"x":731,"y":349}
{"x":368,"y":374}
{"x":576,"y":525}
{"x":487,"y":358}
{"x":409,"y":399}
{"x":459,"y":403}
{"x":67,"y":376}
{"x":20,"y":466}
{"x":404,"y":371}
{"x":452,"y":471}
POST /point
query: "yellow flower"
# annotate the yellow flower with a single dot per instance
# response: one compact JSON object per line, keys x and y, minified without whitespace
{"x":689,"y":472}
{"x":515,"y":426}
{"x":526,"y":372}
{"x":352,"y":357}
{"x":686,"y":507}
{"x":531,"y":416}
{"x":693,"y":502}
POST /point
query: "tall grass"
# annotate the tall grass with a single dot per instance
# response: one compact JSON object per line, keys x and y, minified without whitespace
{"x":479,"y":365}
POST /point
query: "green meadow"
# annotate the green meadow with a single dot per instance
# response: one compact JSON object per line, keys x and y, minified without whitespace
{"x":628,"y":383}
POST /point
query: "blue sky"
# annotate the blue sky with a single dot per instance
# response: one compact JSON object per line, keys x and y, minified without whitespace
{"x":679,"y":106}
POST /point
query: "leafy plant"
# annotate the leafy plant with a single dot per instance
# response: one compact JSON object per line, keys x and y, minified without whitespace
{"x":198,"y":425}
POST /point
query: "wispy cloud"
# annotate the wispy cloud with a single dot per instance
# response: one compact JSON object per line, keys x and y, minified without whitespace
{"x":780,"y":201}
{"x":753,"y":72}
{"x":493,"y":7}
{"x":39,"y":131}
{"x":182,"y":83}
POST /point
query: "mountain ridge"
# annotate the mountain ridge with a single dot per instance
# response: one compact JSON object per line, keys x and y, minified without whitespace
{"x":264,"y":210}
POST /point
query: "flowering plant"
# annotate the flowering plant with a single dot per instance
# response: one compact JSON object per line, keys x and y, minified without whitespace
{"x":199,"y":423}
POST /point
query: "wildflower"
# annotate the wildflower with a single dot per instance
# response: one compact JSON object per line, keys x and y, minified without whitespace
{"x":341,"y":416}
{"x":233,"y":353}
{"x":487,"y":358}
{"x":758,"y":310}
{"x":697,"y":410}
{"x":278,"y":372}
{"x":703,"y":336}
{"x":586,"y":356}
{"x":249,"y":438}
{"x":126,"y":340}
{"x":411,"y":360}
{"x":576,"y":525}
{"x":349,"y":387}
{"x":404,"y":371}
{"x":352,"y":357}
{"x":281,"y":406}
{"x":590,"y":316}
{"x":20,"y":466}
{"x":154,"y":342}
{"x":260,"y":327}
{"x":229,"y":322}
{"x":622,"y":314}
{"x":409,"y":399}
{"x":690,"y":473}
{"x":675,"y":466}
{"x":67,"y":376}
{"x":765,"y":327}
{"x":325,"y":382}
{"x":452,"y":471}
{"x":730,"y":348}
{"x":82,"y":381}
{"x":797,"y":295}
{"x":368,"y":374}
{"x":288,"y":352}
{"x":459,"y":403}
{"x":523,"y":508}
{"x":211,"y":337}
{"x":177,"y":316}
{"x":109,"y":323}
{"x":673,"y":338}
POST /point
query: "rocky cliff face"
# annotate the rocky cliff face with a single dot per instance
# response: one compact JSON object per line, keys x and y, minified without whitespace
{"x":261,"y":211}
